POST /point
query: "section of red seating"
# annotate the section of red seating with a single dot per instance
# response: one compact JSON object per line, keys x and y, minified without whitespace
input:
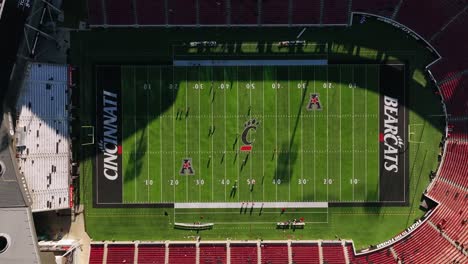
{"x":383,"y":256}
{"x":455,"y":94}
{"x":97,"y":254}
{"x":333,"y":253}
{"x":274,"y":253}
{"x":182,"y":12}
{"x":305,"y":253}
{"x":120,"y":253}
{"x":306,"y":12}
{"x":455,"y":165}
{"x":150,"y":12}
{"x":244,"y":12}
{"x":212,"y":12}
{"x":384,"y":8}
{"x":275,"y":12}
{"x":213,"y":253}
{"x":458,"y":131}
{"x":243,"y":253}
{"x":120,"y":12}
{"x":95,"y":12}
{"x":335,"y":12}
{"x":451,"y":44}
{"x":415,"y":15}
{"x":426,"y":245}
{"x":182,"y":254}
{"x":151,"y":253}
{"x":451,"y":215}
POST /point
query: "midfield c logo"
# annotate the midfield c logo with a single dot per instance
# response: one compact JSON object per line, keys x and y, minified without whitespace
{"x":248,"y":126}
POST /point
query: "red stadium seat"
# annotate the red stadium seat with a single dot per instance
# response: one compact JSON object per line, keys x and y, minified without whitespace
{"x":97,"y":254}
{"x":305,"y":253}
{"x":151,"y":253}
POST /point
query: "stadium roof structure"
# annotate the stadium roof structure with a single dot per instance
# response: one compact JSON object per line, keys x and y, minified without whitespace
{"x":18,"y":243}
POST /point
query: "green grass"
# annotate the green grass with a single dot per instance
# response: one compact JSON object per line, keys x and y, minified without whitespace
{"x":372,"y":42}
{"x":298,"y":155}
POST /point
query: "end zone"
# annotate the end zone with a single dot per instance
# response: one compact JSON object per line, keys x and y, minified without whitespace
{"x":108,"y":165}
{"x":393,"y":135}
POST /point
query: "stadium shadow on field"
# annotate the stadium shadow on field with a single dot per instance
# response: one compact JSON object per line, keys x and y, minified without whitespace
{"x":285,"y":163}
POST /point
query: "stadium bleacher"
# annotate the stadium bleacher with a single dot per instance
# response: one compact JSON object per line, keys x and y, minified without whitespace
{"x":455,"y":166}
{"x":244,"y":253}
{"x":305,"y":253}
{"x":335,"y":12}
{"x":151,"y":253}
{"x":95,"y":12}
{"x":384,"y":8}
{"x":150,"y":12}
{"x":427,"y":245}
{"x":455,"y":94}
{"x":275,"y":12}
{"x":451,"y":44}
{"x":182,"y":253}
{"x":244,"y":12}
{"x":451,"y":215}
{"x":274,"y":253}
{"x":383,"y":256}
{"x":120,"y":12}
{"x":306,"y":12}
{"x":333,"y":253}
{"x":120,"y":253}
{"x":458,"y":130}
{"x":43,"y":136}
{"x":212,"y":12}
{"x":182,"y":12}
{"x":96,"y":255}
{"x":213,"y":253}
{"x":438,"y":12}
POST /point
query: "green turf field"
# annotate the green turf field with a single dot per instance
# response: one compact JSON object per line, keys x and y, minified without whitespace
{"x":355,"y":44}
{"x":297,"y":154}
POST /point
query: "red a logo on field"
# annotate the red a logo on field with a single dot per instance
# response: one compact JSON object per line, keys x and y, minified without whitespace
{"x":314,"y":102}
{"x":187,"y":167}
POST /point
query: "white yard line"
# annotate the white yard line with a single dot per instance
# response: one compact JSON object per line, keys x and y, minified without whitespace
{"x":328,"y":140}
{"x":365,"y":129}
{"x":341,"y":159}
{"x":212,"y":139}
{"x":237,"y":134}
{"x":225,"y":128}
{"x":276,"y":136}
{"x":134,"y":133}
{"x":160,"y":132}
{"x":289,"y":138}
{"x":147,"y":136}
{"x":186,"y":129}
{"x":263,"y":134}
{"x":352,"y":107}
{"x":199,"y":136}
{"x":315,"y":165}
{"x":173,"y":138}
{"x":302,"y":142}
{"x":250,"y":109}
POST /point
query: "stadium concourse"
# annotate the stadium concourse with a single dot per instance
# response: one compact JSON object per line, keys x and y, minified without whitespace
{"x":441,"y":236}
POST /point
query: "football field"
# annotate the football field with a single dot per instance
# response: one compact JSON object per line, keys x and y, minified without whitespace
{"x":312,"y":132}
